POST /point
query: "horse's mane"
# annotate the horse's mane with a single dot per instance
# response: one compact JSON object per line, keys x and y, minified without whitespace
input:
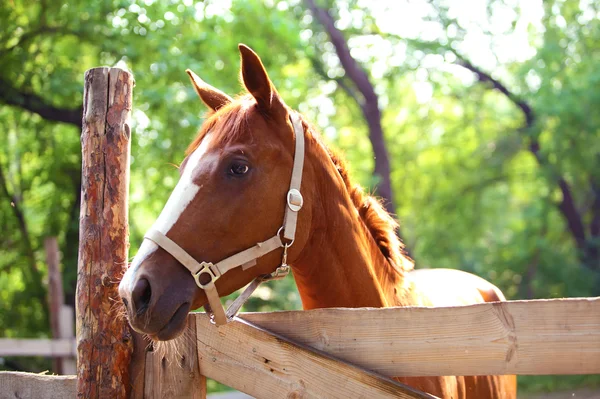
{"x":232,"y":121}
{"x":380,"y":224}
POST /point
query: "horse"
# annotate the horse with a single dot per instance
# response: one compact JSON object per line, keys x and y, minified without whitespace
{"x":238,"y":182}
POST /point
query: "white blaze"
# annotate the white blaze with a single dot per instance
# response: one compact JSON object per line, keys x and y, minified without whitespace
{"x":180,"y":198}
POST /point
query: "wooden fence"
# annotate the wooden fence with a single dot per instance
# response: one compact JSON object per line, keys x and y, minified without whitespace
{"x":46,"y":347}
{"x":308,"y":353}
{"x":62,"y":347}
{"x":327,"y":352}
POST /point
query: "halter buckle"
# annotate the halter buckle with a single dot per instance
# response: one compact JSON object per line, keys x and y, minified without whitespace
{"x":294,"y":200}
{"x":206,"y":268}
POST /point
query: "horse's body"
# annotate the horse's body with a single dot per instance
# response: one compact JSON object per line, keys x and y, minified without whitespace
{"x":346,"y":252}
{"x":444,"y":287}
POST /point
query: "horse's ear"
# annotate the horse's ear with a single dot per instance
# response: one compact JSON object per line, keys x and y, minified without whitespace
{"x":212,"y":97}
{"x":257,"y":81}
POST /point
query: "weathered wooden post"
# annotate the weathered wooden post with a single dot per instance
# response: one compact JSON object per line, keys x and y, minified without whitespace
{"x":61,"y":315}
{"x":104,"y":341}
{"x":55,"y":293}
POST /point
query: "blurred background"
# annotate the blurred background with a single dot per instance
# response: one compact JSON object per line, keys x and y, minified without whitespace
{"x":478,"y":121}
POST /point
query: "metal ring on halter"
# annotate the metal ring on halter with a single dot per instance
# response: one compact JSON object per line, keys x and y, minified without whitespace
{"x":211,"y":318}
{"x":284,"y":244}
{"x":205,"y":269}
{"x":211,"y":314}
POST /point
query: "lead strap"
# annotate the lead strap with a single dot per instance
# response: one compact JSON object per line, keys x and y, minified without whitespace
{"x":218,"y":314}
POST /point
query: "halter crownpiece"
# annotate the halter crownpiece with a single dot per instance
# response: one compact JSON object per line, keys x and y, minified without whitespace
{"x":205,"y":273}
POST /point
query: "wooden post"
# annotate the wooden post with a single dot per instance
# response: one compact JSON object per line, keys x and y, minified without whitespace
{"x":55,"y":293}
{"x":66,"y":330}
{"x":104,"y":343}
{"x":61,"y":315}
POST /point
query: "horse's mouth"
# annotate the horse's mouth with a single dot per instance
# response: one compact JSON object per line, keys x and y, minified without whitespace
{"x":174,"y":326}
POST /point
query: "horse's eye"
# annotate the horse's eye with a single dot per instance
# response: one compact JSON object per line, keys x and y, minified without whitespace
{"x":238,"y":169}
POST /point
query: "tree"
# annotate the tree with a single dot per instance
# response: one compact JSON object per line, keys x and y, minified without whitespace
{"x":366,"y":99}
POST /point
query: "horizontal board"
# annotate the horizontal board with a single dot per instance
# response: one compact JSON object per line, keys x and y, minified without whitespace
{"x":268,"y":366}
{"x":38,"y":347}
{"x":540,"y":337}
{"x":17,"y":385}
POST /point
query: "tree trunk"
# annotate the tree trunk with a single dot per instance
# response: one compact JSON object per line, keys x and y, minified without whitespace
{"x":589,"y":254}
{"x":369,"y":104}
{"x":104,"y":343}
{"x":32,"y":274}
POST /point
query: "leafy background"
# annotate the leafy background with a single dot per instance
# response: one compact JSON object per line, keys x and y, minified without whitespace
{"x":489,"y":113}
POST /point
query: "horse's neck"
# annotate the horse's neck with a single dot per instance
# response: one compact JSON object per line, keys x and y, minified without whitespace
{"x":341,"y":265}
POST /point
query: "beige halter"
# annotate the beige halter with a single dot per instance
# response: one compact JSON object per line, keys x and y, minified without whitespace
{"x":206,"y":273}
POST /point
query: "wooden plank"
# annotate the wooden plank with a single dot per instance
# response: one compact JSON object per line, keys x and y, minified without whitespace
{"x":55,"y":294}
{"x":17,"y":385}
{"x":37,"y":347}
{"x":150,"y":377}
{"x":264,"y":365}
{"x":104,"y":342}
{"x":172,"y":370}
{"x":137,"y":366}
{"x":540,"y":337}
{"x":67,"y":331}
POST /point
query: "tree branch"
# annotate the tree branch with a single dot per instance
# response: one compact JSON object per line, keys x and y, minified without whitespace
{"x":28,"y":36}
{"x":369,"y":106}
{"x":318,"y":67}
{"x":16,"y":206}
{"x":595,"y":225}
{"x":34,"y":273}
{"x":11,"y":95}
{"x":484,"y":77}
{"x":594,"y":247}
{"x":571,"y":214}
{"x":567,"y":205}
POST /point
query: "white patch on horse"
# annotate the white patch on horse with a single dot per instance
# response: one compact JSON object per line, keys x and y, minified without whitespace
{"x":185,"y":191}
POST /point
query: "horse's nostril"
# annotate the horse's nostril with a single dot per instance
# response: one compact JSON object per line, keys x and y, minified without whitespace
{"x":141,"y":295}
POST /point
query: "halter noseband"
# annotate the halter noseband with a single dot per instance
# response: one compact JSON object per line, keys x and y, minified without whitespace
{"x":206,"y":273}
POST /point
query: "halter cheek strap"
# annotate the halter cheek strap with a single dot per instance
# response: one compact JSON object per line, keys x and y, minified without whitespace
{"x":206,"y":273}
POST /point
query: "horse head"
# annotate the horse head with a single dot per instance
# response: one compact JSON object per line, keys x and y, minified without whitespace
{"x":233,"y":192}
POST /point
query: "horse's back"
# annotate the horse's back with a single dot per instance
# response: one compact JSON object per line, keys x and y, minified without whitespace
{"x":447,"y":287}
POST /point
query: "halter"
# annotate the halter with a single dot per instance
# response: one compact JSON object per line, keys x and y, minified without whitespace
{"x":206,"y":273}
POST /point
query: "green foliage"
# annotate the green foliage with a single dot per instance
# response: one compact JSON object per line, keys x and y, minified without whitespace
{"x":470,"y":194}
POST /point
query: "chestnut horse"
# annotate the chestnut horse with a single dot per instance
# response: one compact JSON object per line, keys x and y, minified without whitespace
{"x":232,"y":194}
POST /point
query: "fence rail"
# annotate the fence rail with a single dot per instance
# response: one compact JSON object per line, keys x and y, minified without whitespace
{"x":538,"y":337}
{"x":64,"y":347}
{"x":254,"y":354}
{"x":305,"y":352}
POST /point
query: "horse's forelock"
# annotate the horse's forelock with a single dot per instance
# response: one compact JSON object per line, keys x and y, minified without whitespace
{"x":228,"y":124}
